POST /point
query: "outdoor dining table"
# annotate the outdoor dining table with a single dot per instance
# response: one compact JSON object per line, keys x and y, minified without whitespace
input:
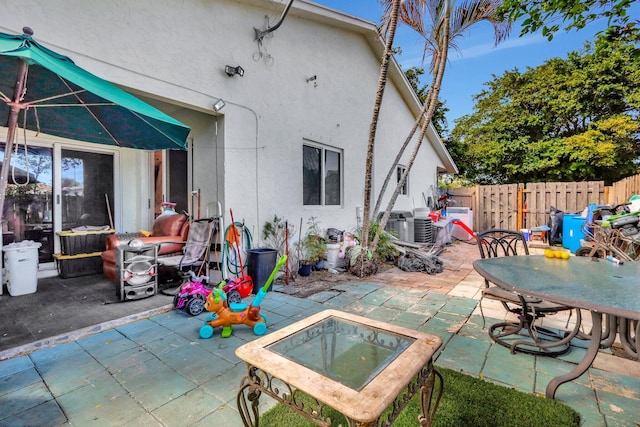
{"x":597,"y":285}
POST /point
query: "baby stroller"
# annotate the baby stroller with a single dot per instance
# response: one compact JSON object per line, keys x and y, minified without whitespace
{"x":194,"y":254}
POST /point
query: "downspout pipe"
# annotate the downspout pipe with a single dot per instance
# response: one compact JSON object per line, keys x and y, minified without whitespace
{"x":261,"y":33}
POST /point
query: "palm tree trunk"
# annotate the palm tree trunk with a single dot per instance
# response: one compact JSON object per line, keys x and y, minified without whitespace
{"x":382,"y":81}
{"x":385,"y":184}
{"x":432,"y":102}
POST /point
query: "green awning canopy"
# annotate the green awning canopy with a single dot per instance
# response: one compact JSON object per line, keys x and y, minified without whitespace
{"x":62,"y":99}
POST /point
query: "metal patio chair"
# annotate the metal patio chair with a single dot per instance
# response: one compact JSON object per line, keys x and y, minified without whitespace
{"x":522,"y":335}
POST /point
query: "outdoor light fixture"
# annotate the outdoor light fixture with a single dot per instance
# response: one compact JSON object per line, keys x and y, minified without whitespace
{"x":232,"y":71}
{"x":313,"y":79}
{"x":219,"y":105}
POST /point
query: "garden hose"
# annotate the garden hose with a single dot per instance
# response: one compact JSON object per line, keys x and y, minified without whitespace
{"x":229,"y":254}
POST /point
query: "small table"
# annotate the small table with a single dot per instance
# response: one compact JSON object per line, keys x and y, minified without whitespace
{"x":357,"y":366}
{"x":593,"y":284}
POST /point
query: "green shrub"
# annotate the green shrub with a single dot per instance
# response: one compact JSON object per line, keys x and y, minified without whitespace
{"x":386,"y":249}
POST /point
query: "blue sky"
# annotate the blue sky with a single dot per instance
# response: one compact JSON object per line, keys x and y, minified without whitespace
{"x":478,"y":59}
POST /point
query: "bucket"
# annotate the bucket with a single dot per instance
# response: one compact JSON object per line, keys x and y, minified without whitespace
{"x":526,"y":233}
{"x":305,"y":270}
{"x":333,"y":252}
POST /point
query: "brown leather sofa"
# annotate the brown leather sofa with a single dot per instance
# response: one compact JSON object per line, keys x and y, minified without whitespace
{"x":170,"y":232}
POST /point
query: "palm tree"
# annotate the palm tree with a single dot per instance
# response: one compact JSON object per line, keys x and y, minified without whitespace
{"x":448,"y":21}
{"x":393,"y":7}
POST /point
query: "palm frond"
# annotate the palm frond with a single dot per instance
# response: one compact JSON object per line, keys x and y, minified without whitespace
{"x":470,"y":12}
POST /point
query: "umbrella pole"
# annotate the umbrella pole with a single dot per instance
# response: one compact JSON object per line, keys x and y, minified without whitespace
{"x":11,"y":132}
{"x":8,"y":147}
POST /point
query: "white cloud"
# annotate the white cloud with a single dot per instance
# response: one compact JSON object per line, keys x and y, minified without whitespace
{"x":490,"y":47}
{"x":413,"y":57}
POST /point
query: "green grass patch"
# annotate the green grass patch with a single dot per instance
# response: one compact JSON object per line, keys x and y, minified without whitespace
{"x":466,"y":401}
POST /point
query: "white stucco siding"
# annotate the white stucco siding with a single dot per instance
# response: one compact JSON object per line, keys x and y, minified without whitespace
{"x":333,"y":110}
{"x":173,"y":53}
{"x":395,"y":125}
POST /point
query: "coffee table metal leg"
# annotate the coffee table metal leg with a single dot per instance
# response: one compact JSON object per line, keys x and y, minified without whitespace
{"x":585,"y":363}
{"x":427,"y":402}
{"x":257,"y":382}
{"x":248,"y":406}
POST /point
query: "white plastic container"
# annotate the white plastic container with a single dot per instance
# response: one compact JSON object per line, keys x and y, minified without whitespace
{"x":421,"y":213}
{"x":333,"y":259}
{"x":21,"y":267}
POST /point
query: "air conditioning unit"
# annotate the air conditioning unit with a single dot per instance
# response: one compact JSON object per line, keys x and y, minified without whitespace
{"x":423,"y":230}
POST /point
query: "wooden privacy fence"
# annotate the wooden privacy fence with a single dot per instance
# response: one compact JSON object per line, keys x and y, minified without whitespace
{"x":516,"y":206}
{"x":625,"y":188}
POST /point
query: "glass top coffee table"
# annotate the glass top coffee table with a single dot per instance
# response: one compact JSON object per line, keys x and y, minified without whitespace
{"x":357,"y":366}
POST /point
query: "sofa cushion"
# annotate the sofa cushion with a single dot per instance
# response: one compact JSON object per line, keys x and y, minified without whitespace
{"x":168,"y":225}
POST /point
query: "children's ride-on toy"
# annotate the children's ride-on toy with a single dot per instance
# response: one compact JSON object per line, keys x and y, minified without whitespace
{"x":226,"y":315}
{"x":237,"y":289}
{"x":193,"y":294}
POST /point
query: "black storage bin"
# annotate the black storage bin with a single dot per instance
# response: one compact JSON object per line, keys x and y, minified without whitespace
{"x":78,"y":265}
{"x":261,"y":263}
{"x":83,"y":242}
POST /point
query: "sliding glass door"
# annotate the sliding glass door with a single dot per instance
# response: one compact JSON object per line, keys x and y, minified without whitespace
{"x":86,"y":189}
{"x":85,"y":194}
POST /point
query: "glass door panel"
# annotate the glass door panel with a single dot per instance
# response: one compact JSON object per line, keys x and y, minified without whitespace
{"x":86,"y":189}
{"x":28,"y":208}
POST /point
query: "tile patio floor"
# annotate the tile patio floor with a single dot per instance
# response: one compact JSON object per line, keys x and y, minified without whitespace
{"x":157,"y":372}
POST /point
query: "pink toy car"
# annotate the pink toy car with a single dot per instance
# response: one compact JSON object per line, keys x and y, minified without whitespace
{"x":193,"y":294}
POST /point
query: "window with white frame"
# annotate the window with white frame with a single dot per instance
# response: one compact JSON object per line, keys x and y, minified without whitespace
{"x":321,"y":175}
{"x":405,"y":187}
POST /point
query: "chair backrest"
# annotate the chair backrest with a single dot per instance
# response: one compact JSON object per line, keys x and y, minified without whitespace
{"x":499,"y":242}
{"x":168,"y":225}
{"x":199,"y":239}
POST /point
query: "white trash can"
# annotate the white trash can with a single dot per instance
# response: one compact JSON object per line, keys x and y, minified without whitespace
{"x":21,"y":267}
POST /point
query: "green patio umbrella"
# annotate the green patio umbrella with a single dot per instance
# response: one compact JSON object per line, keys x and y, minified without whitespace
{"x":46,"y":92}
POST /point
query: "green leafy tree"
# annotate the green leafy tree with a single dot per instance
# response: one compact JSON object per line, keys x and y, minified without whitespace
{"x":570,"y":119}
{"x":551,"y":15}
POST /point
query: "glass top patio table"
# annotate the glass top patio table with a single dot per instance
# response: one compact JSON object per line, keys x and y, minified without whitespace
{"x":357,"y":366}
{"x":593,"y":284}
{"x":348,"y":352}
{"x":581,"y":282}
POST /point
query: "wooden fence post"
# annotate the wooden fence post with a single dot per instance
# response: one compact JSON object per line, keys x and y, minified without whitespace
{"x":520,"y":200}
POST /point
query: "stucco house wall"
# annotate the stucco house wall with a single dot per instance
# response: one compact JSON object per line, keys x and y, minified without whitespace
{"x":313,"y":79}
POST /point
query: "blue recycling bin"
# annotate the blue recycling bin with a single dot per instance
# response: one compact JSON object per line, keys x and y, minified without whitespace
{"x":572,"y":231}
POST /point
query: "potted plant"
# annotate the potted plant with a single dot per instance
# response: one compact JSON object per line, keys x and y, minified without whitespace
{"x":313,"y":247}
